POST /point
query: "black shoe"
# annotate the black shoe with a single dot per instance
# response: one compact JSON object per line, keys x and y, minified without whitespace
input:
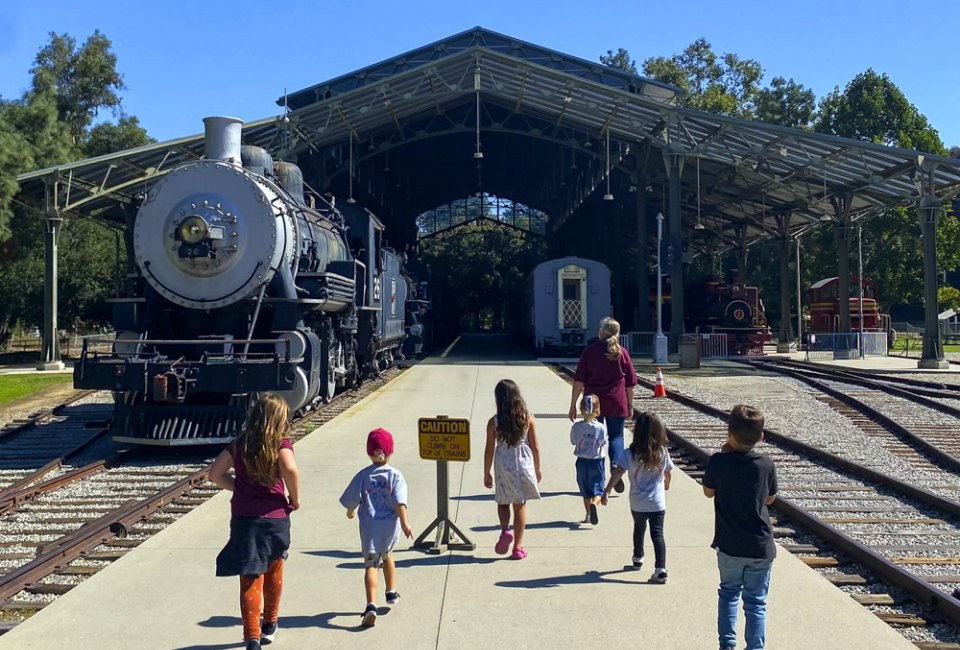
{"x":619,"y":486}
{"x":392,"y":597}
{"x":594,"y":517}
{"x":267,"y":632}
{"x":369,"y":616}
{"x":253,"y":644}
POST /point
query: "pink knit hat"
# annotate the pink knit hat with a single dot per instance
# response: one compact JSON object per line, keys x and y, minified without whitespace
{"x":379,"y":439}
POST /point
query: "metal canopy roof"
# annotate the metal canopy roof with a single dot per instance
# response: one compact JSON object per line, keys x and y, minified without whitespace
{"x":407,"y":129}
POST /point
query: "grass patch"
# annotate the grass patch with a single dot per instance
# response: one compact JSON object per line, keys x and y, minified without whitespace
{"x":17,"y":385}
{"x":915,"y":344}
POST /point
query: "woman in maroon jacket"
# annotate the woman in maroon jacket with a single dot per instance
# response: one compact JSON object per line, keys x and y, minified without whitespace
{"x":605,"y":370}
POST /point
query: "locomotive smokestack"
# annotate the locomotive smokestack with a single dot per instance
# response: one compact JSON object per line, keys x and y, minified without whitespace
{"x":222,"y":138}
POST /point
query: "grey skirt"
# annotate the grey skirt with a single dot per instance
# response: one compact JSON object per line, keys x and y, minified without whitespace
{"x":255,"y":542}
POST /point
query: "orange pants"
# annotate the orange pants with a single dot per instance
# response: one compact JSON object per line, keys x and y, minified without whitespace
{"x":260,"y":594}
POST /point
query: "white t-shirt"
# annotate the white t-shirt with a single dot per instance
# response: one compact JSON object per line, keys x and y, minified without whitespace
{"x":589,"y":439}
{"x":646,"y":486}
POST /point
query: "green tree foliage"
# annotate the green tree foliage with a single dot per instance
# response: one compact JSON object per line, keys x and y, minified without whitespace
{"x":476,"y":268}
{"x":786,"y":103}
{"x":84,"y":81}
{"x":949,"y":298}
{"x":874,"y":109}
{"x":51,"y":124}
{"x":108,"y":137}
{"x":725,"y":84}
{"x":620,"y":60}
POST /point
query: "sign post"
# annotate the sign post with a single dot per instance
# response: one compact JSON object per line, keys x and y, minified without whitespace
{"x":443,"y":439}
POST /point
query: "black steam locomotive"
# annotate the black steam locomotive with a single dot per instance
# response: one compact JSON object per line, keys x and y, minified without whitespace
{"x":244,"y":283}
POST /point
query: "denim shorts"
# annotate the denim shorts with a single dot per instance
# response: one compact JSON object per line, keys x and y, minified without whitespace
{"x":590,"y":477}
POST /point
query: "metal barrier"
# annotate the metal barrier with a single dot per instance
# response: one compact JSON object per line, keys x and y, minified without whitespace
{"x":874,"y":344}
{"x":638,"y":343}
{"x":833,"y":346}
{"x":713,"y":346}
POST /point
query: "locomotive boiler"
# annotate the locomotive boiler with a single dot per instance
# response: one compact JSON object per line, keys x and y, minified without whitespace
{"x":243,"y":283}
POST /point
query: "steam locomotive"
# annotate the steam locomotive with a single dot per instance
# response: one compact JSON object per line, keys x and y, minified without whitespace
{"x":244,"y":284}
{"x":732,"y":309}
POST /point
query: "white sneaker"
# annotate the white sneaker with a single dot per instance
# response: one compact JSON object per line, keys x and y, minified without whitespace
{"x":637,"y":562}
{"x":659,"y":577}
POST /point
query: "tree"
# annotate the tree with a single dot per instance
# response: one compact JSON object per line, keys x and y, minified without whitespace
{"x":786,"y":103}
{"x":50,"y":125}
{"x":620,"y":60}
{"x":108,"y":137}
{"x":84,"y":81}
{"x":476,"y":268}
{"x":949,"y":298}
{"x":874,"y":109}
{"x":727,"y":84}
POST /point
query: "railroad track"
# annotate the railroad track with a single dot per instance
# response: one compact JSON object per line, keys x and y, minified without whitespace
{"x":904,"y":408}
{"x":893,"y":544}
{"x":59,"y":538}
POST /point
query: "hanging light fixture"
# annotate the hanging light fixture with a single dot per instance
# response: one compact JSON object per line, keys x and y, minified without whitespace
{"x":699,"y":225}
{"x":350,"y":198}
{"x":386,"y":162}
{"x":477,"y":153}
{"x":608,"y":196}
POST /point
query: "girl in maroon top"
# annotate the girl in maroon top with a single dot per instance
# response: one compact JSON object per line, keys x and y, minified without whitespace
{"x":605,"y":370}
{"x":266,"y":489}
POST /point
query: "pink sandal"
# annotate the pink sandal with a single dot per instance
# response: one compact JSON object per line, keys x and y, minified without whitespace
{"x":519,"y":552}
{"x":503,"y":544}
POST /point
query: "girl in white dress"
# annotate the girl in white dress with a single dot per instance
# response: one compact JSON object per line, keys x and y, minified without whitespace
{"x":514,"y":455}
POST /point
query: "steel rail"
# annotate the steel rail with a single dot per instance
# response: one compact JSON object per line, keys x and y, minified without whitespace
{"x":948,"y":460}
{"x":10,"y":431}
{"x":88,"y":537}
{"x":918,"y":391}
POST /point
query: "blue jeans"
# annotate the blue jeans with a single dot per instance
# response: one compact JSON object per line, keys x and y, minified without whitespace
{"x":615,"y":436}
{"x":751,"y":576}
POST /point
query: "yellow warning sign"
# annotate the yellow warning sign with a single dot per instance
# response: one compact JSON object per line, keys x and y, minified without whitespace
{"x":443,"y":438}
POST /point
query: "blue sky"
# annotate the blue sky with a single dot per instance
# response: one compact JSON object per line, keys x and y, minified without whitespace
{"x":183,"y":60}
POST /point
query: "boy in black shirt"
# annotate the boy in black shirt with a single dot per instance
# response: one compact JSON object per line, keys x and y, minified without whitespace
{"x":744,"y":484}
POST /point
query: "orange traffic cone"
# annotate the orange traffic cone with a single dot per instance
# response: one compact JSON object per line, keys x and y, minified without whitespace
{"x":659,"y":389}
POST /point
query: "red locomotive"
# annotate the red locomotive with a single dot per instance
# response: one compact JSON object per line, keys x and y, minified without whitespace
{"x":734,"y":309}
{"x":825,"y":307}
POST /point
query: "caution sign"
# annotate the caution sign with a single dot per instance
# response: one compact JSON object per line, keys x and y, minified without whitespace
{"x":443,"y":438}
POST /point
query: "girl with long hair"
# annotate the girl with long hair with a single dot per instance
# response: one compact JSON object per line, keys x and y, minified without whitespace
{"x":513,"y":453}
{"x":266,"y":489}
{"x":648,"y":463}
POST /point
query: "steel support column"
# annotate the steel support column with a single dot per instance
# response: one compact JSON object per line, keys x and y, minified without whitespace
{"x":674,"y":164}
{"x":928,"y":211}
{"x":783,"y":339}
{"x":643,"y":268}
{"x":50,"y":359}
{"x":841,"y":234}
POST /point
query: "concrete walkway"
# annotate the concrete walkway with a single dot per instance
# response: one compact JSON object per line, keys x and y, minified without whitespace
{"x":573,"y":589}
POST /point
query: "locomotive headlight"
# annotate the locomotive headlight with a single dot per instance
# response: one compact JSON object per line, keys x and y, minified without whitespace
{"x":193,"y":230}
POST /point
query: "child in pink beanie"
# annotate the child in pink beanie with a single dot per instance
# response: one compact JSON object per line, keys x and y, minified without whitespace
{"x":380,"y":493}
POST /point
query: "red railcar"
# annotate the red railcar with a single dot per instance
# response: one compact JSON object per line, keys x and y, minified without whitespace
{"x":825,"y":307}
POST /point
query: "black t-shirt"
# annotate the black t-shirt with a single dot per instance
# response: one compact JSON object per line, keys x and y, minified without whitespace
{"x":743,"y":481}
